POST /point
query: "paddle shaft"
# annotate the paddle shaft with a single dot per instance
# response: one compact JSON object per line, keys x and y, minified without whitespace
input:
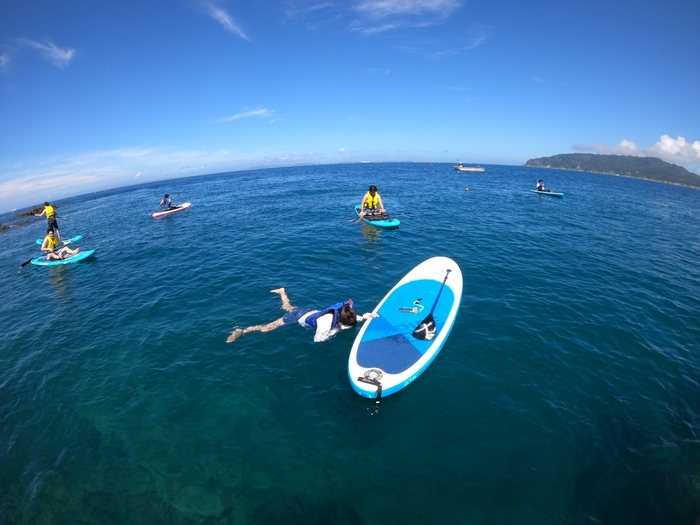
{"x":36,"y":256}
{"x":438,"y":295}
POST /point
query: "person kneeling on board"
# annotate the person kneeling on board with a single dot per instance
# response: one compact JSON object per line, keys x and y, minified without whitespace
{"x":540,"y":186}
{"x":371,"y":203}
{"x":166,"y":202}
{"x":51,"y":243}
{"x":326,"y":322}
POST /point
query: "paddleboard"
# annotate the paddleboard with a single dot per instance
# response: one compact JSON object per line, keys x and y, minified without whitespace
{"x":64,"y":241}
{"x":41,"y":260}
{"x":553,"y":193}
{"x":173,"y":209}
{"x":380,"y":221}
{"x":386,"y":355}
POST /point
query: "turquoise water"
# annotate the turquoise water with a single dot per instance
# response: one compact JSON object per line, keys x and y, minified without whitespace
{"x":567,"y":391}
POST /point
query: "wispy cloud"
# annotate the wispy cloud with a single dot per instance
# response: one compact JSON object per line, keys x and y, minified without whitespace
{"x":226,"y":20}
{"x":4,"y":60}
{"x":51,"y":52}
{"x":301,"y":9}
{"x":379,"y":9}
{"x":262,"y":113}
{"x":37,"y":180}
{"x":469,"y":38}
{"x":376,"y":72}
{"x":678,"y":150}
{"x":377,"y":16}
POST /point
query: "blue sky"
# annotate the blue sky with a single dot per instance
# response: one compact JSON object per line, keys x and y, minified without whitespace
{"x":104,"y":93}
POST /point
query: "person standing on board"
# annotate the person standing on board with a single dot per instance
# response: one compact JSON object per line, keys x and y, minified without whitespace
{"x":51,"y":218}
{"x":326,"y":322}
{"x":166,"y":202}
{"x":51,"y":243}
{"x":371,"y":203}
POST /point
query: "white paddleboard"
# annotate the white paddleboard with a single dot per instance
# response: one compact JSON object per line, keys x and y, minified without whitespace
{"x":387,"y":355}
{"x":173,"y":209}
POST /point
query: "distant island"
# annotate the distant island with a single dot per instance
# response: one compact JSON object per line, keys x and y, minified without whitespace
{"x":648,"y":168}
{"x":29,"y":213}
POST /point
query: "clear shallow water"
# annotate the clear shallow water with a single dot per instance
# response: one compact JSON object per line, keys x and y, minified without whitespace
{"x":567,"y":391}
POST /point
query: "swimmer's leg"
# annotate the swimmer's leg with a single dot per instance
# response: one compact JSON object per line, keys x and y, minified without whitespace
{"x":238,"y":332}
{"x":286,"y":304}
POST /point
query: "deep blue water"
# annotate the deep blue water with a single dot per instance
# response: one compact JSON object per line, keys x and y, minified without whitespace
{"x":567,"y":392}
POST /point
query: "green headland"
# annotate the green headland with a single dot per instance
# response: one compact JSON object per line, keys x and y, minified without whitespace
{"x":649,"y":168}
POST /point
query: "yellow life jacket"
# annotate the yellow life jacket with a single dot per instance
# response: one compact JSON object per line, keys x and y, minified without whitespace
{"x":51,"y":243}
{"x":50,"y":212}
{"x":371,"y":202}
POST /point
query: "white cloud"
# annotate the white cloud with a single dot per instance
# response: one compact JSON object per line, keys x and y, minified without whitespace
{"x":678,"y":150}
{"x":342,"y":150}
{"x":4,"y":60}
{"x":226,"y":20}
{"x":378,"y":9}
{"x":35,"y":181}
{"x":59,"y":57}
{"x":262,"y":113}
{"x":469,"y":38}
{"x":383,"y":15}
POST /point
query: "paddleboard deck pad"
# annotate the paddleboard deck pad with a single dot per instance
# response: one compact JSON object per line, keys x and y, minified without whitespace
{"x":42,"y":261}
{"x":173,"y":209}
{"x":63,"y":241}
{"x":386,"y":355}
{"x":380,"y":221}
{"x":552,"y":193}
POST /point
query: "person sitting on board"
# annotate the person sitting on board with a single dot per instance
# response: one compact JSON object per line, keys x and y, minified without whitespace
{"x":326,"y":322}
{"x":540,"y":186}
{"x":50,"y":212}
{"x":371,"y":203}
{"x":166,"y":202}
{"x":50,"y":245}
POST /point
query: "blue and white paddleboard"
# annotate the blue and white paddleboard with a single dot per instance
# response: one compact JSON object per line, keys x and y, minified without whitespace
{"x":380,"y":221}
{"x":552,"y":193}
{"x":42,"y":261}
{"x":388,"y":354}
{"x":64,"y":241}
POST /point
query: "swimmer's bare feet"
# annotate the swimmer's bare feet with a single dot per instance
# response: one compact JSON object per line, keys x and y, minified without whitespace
{"x":237,"y":332}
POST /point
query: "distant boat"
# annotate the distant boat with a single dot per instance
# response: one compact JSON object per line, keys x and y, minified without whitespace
{"x":364,"y":162}
{"x":462,"y":167}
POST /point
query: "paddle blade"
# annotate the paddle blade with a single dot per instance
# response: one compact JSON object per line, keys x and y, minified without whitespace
{"x":426,"y":331}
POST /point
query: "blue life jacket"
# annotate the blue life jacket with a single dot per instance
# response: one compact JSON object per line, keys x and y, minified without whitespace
{"x":311,"y":319}
{"x":165,"y":205}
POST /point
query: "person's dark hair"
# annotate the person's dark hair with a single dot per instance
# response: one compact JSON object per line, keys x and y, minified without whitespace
{"x":50,"y":230}
{"x":166,"y":196}
{"x":46,"y":204}
{"x":372,"y":188}
{"x":347,"y":316}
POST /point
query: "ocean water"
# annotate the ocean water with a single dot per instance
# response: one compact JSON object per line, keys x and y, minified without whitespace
{"x":568,"y":391}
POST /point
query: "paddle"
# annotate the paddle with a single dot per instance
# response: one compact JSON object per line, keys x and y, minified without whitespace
{"x":26,"y":263}
{"x":37,"y":256}
{"x":381,"y":216}
{"x":427,"y":330}
{"x":30,"y":260}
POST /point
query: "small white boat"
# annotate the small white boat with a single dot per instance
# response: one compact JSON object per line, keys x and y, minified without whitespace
{"x":462,"y":167}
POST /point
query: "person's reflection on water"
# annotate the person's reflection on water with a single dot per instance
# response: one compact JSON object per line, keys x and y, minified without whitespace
{"x":372,"y":234}
{"x":61,"y":280}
